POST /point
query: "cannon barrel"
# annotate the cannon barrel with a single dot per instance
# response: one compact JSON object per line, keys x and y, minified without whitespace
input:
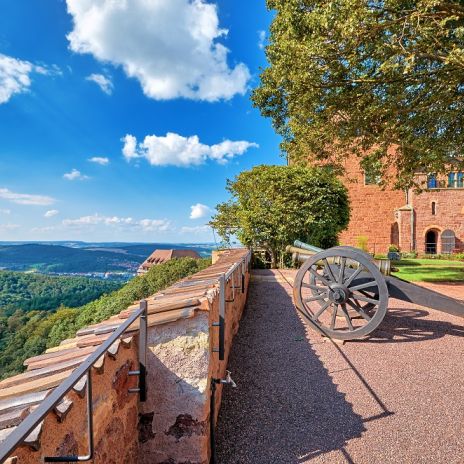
{"x":306,"y":246}
{"x":384,"y":265}
{"x":302,"y":251}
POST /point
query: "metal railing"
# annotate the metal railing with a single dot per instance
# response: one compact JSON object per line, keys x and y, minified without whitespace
{"x":223,"y":281}
{"x":221,"y":324}
{"x":17,"y":436}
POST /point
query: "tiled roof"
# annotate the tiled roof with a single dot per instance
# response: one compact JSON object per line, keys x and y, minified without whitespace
{"x":161,"y":256}
{"x":20,"y":394}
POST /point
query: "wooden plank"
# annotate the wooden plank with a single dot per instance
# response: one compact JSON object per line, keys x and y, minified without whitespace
{"x":180,"y":290}
{"x":194,"y":282}
{"x":21,"y":401}
{"x":39,"y":373}
{"x":14,"y":417}
{"x":159,"y":307}
{"x":166,"y":317}
{"x":5,"y":432}
{"x":46,"y":356}
{"x":174,"y":297}
{"x":92,"y":340}
{"x":35,"y":385}
{"x":65,"y":355}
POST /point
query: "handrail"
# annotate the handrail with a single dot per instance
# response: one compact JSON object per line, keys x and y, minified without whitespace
{"x":15,"y":438}
{"x":223,"y":279}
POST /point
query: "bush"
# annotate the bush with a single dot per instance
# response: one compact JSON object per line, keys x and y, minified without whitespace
{"x":272,"y":206}
{"x":393,"y":249}
{"x":409,"y":255}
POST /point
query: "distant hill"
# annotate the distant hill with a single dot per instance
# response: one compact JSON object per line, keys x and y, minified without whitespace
{"x":56,"y":258}
{"x":35,"y":291}
{"x":80,"y":257}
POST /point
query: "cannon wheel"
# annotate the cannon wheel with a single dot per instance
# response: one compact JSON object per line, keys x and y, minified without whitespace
{"x":326,"y":279}
{"x":364,"y":306}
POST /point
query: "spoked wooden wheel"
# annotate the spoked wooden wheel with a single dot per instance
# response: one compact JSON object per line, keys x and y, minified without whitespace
{"x":342,"y":293}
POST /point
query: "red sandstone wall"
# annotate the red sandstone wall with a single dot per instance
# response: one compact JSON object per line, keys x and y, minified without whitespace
{"x":372,"y":209}
{"x":115,"y":418}
{"x":449,"y":215}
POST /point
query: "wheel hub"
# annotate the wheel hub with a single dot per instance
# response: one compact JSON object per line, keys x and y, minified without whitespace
{"x":339,"y":294}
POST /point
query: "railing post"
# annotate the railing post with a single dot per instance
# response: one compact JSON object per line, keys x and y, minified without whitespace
{"x":222,"y":319}
{"x":142,"y":371}
{"x":143,"y":350}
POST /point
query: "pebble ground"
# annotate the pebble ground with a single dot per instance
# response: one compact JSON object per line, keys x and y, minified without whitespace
{"x":397,"y":397}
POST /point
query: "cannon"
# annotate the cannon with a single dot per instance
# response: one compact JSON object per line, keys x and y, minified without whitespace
{"x":342,"y":293}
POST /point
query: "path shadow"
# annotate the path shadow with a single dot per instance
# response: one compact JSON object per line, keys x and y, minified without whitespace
{"x":402,"y":325}
{"x":286,"y":408}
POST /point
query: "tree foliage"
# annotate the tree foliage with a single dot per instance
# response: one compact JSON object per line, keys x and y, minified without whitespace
{"x":37,"y":291}
{"x":354,"y":76}
{"x":271,"y":206}
{"x":28,"y":333}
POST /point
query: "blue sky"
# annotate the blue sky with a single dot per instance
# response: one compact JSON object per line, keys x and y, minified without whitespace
{"x":121,"y":120}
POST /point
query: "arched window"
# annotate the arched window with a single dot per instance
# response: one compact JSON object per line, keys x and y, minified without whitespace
{"x":451,"y":180}
{"x":431,"y":242}
{"x":434,"y":208}
{"x":448,"y":241}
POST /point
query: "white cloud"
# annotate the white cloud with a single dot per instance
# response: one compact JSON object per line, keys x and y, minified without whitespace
{"x":130,"y":147}
{"x":100,"y":160}
{"x":196,"y":229}
{"x":145,"y":225}
{"x":261,"y":39}
{"x":51,"y":213}
{"x":75,"y":175}
{"x":15,"y":75}
{"x":26,"y":199}
{"x":5,"y":211}
{"x":170,"y":46}
{"x":104,"y":82}
{"x":199,"y":211}
{"x":176,"y":150}
{"x":8,"y":227}
{"x":41,"y":230}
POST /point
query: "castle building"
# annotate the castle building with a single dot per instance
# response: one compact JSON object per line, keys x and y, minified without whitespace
{"x":430,"y":222}
{"x":161,"y":256}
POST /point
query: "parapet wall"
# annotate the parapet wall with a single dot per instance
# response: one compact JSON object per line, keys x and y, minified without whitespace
{"x":172,"y":426}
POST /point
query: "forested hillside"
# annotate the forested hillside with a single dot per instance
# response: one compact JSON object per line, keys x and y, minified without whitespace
{"x":55,"y":258}
{"x":36,"y":291}
{"x":28,"y":333}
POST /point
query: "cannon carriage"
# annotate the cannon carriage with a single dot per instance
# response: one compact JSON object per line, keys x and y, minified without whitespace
{"x":343,"y":293}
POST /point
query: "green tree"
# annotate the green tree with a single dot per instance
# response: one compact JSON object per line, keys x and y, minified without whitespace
{"x":271,"y":206}
{"x":365,"y":76}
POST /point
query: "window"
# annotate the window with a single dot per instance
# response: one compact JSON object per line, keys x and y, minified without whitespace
{"x":460,"y":182}
{"x":432,"y":181}
{"x":434,"y":208}
{"x":451,"y":179}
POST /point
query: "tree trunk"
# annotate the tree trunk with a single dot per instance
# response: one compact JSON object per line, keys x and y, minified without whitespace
{"x":273,"y":258}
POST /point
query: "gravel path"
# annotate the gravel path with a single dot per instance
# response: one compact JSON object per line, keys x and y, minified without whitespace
{"x":395,"y":398}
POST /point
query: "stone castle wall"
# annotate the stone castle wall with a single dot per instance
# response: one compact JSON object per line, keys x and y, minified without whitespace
{"x":387,"y":216}
{"x":172,"y":426}
{"x":372,"y":210}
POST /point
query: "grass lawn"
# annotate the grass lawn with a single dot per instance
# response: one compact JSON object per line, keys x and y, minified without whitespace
{"x":429,"y":270}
